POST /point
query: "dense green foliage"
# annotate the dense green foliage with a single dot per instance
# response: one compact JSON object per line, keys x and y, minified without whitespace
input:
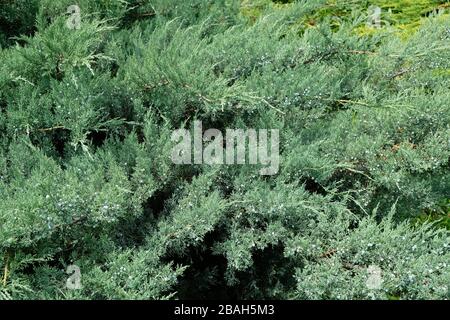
{"x":86,"y":177}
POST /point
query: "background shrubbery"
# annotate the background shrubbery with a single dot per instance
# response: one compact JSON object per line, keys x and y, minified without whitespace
{"x":86,"y":176}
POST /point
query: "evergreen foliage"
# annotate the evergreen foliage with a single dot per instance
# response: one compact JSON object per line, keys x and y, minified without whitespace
{"x":86,"y":176}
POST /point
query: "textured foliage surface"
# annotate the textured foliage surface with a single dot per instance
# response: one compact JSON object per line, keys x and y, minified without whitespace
{"x":86,"y":176}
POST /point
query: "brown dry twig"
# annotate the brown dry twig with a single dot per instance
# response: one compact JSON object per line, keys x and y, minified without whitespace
{"x":328,"y":254}
{"x":6,"y":271}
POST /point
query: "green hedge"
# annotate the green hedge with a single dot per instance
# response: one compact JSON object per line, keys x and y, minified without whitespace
{"x":86,"y":177}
